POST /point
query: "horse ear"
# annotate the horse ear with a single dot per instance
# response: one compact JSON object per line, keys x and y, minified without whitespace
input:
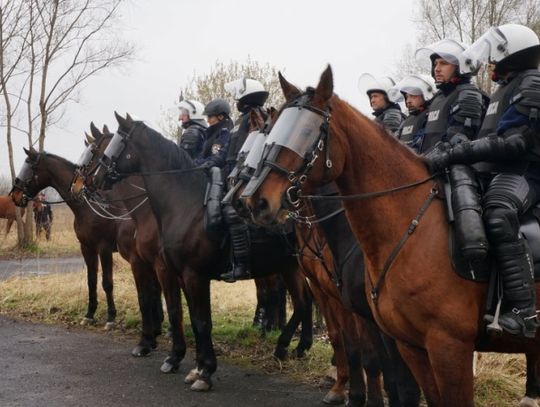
{"x":89,"y":138}
{"x":289,"y":90}
{"x":272,"y":111}
{"x":105,"y":130}
{"x":27,"y":152}
{"x":121,"y":121}
{"x":325,"y":88}
{"x":129,"y":119}
{"x":95,"y":131}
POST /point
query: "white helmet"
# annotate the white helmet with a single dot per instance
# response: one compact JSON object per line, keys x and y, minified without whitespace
{"x":510,"y":47}
{"x":368,"y":83}
{"x":249,"y":91}
{"x":449,"y":50}
{"x":413,"y":85}
{"x":193,"y":108}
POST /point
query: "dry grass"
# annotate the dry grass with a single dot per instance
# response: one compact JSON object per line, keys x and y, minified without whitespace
{"x":63,"y":240}
{"x":61,"y":299}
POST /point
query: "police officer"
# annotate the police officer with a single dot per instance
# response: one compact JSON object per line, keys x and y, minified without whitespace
{"x":509,"y":146}
{"x":386,"y":112}
{"x":217,"y":136}
{"x":249,"y":94}
{"x":417,"y":91}
{"x":193,"y":126}
{"x":456,"y":111}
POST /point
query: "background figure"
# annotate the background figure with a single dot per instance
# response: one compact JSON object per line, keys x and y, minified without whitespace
{"x":43,"y":216}
{"x":191,"y":122}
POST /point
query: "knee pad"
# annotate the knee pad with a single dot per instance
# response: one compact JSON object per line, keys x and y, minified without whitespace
{"x":502,"y":224}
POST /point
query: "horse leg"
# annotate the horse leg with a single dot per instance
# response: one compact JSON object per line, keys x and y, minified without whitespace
{"x":418,"y":361}
{"x":171,"y":290}
{"x":302,"y":300}
{"x":399,"y":383}
{"x":91,"y":260}
{"x":197,"y":290}
{"x":532,"y":387}
{"x":145,"y":282}
{"x":107,"y":284}
{"x":451,"y":362}
{"x":8,"y":225}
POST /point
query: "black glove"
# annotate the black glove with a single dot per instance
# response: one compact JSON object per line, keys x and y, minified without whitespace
{"x":439,"y":158}
{"x":458,"y":138}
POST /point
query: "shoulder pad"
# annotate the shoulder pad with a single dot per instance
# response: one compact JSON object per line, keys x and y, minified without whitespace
{"x":527,"y":97}
{"x":468,"y":107}
{"x":190,"y":135}
{"x":392,"y":119}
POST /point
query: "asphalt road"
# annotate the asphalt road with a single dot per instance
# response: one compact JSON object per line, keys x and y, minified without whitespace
{"x":41,"y":266}
{"x":44,"y":365}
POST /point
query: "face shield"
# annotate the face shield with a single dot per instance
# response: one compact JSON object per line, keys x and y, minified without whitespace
{"x":26,"y":173}
{"x":368,"y":83}
{"x":491,"y":48}
{"x":413,"y":85}
{"x":86,"y":156}
{"x":296,"y":129}
{"x":449,"y":50}
{"x":255,"y":153}
{"x":115,"y":147}
{"x":236,"y":88}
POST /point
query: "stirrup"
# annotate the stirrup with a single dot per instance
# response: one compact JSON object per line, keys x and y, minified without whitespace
{"x":527,"y":326}
{"x":494,"y":328}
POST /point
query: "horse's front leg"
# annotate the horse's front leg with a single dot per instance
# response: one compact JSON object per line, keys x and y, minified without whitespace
{"x":532,"y":387}
{"x":107,"y":284}
{"x":197,"y":290}
{"x":91,"y":260}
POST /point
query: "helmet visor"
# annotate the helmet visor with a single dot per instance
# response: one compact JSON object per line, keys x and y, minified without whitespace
{"x":254,"y":156}
{"x":236,"y":88}
{"x":449,"y":50}
{"x":489,"y":48}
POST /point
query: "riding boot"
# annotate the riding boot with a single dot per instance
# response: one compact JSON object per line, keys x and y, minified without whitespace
{"x":240,"y":243}
{"x":514,"y":262}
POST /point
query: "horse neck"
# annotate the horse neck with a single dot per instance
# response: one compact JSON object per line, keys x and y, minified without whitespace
{"x":170,"y":193}
{"x":60,"y":174}
{"x":130,"y":188}
{"x":375,"y":162}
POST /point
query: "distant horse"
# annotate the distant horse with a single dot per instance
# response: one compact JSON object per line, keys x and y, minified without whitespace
{"x":177,"y":201}
{"x":98,"y":237}
{"x":8,"y":211}
{"x":415,"y":295}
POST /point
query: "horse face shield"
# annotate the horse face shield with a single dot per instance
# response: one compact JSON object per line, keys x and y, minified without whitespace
{"x":106,"y":171}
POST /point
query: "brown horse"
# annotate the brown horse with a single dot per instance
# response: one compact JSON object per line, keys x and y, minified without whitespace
{"x":435,"y":316}
{"x":8,"y":211}
{"x":99,"y":238}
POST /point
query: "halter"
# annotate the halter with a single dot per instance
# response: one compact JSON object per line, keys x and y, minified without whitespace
{"x":309,"y":147}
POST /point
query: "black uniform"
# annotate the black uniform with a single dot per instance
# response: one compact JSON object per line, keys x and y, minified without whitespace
{"x":193,"y":136}
{"x":510,"y":144}
{"x":411,"y":131}
{"x":390,"y":118}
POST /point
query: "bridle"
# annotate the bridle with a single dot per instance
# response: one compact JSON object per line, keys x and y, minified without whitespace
{"x":26,"y":174}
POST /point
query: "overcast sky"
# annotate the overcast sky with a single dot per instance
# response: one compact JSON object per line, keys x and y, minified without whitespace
{"x":175,"y":39}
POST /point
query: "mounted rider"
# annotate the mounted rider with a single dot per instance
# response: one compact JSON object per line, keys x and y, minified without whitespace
{"x":507,"y":151}
{"x":386,"y":112}
{"x":249,"y":94}
{"x":193,"y":125}
{"x":417,"y":90}
{"x":456,"y":111}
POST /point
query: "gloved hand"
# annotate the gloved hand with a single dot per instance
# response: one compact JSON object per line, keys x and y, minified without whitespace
{"x":458,"y":138}
{"x":439,"y":158}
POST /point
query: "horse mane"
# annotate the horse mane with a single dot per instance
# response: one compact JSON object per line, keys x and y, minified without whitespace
{"x":396,"y":146}
{"x":58,"y":158}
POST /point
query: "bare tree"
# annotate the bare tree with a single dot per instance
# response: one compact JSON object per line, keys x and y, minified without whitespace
{"x":466,"y":21}
{"x":206,"y":87}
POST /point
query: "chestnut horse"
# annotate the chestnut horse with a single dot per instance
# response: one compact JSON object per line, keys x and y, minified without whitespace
{"x":98,"y":237}
{"x":177,"y":201}
{"x":8,"y":211}
{"x":434,"y":315}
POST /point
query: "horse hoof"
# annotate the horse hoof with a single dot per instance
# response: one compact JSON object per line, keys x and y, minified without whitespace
{"x":168,"y":366}
{"x":201,"y":385}
{"x":334,"y":398}
{"x":528,"y":402}
{"x":281,"y":354}
{"x":297,"y":354}
{"x":110,"y":326}
{"x":140,"y":351}
{"x":88,"y":321}
{"x":192,"y":376}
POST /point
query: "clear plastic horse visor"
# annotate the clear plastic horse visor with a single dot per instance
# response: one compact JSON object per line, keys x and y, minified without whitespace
{"x":297,"y":129}
{"x":246,"y":147}
{"x":86,"y":156}
{"x":115,"y":147}
{"x":26,"y":172}
{"x":255,"y":153}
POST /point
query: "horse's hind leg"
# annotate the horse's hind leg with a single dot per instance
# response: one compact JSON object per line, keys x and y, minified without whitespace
{"x":107,"y":284}
{"x":8,"y":225}
{"x":197,"y":290}
{"x":91,"y":260}
{"x":532,"y":387}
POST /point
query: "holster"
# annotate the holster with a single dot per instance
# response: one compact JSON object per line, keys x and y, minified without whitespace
{"x":469,"y":226}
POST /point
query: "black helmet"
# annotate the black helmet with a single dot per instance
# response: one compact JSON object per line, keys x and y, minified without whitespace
{"x":217,"y":107}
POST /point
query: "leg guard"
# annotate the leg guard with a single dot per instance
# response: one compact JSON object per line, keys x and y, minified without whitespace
{"x":470,"y":232}
{"x":240,"y":243}
{"x":213,"y":220}
{"x":517,"y":273}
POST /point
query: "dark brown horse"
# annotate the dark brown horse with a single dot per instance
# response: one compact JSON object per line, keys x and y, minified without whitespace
{"x":8,"y":211}
{"x":177,"y":202}
{"x":435,"y":316}
{"x":99,"y":238}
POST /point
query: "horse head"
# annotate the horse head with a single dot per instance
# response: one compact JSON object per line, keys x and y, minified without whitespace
{"x":25,"y":185}
{"x":300,"y":135}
